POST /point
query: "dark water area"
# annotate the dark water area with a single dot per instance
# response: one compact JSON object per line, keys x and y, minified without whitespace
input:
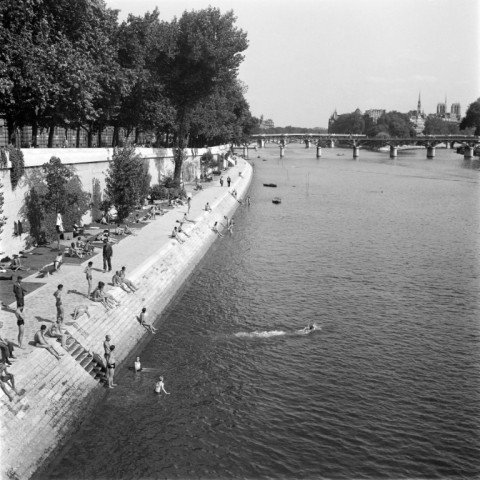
{"x":383,"y":256}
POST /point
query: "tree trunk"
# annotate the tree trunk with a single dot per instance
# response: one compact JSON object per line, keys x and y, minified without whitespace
{"x":115,"y":137}
{"x":99,"y":139}
{"x":77,"y":138}
{"x":51,"y":133}
{"x":177,"y":174}
{"x":89,"y":137}
{"x":137,"y":135}
{"x":10,"y":130}
{"x":34,"y":132}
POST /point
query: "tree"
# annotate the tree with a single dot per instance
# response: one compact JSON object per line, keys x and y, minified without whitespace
{"x":204,"y":51}
{"x":472,"y":117}
{"x":127,"y":181}
{"x":352,"y":123}
{"x":435,"y":126}
{"x":396,"y":124}
{"x":64,"y":195}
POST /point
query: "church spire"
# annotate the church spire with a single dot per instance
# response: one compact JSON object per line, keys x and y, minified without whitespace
{"x":419,"y":105}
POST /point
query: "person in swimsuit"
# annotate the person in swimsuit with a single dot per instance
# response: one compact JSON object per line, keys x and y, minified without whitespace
{"x":126,"y":281}
{"x":5,"y":378}
{"x":106,"y":349}
{"x":55,"y":330}
{"x":111,"y":367}
{"x":57,"y":262}
{"x":143,"y":323}
{"x":58,"y":301}
{"x":88,"y":274}
{"x":176,"y":236}
{"x":137,"y":365}
{"x":21,"y":325}
{"x":215,"y":229}
{"x":160,"y":386}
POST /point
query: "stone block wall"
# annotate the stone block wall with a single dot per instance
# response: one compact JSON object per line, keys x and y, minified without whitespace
{"x":91,"y":164}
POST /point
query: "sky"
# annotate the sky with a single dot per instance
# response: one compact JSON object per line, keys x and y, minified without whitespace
{"x":307,"y":58}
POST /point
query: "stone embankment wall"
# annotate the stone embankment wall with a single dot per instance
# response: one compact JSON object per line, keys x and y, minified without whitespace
{"x":91,"y":165}
{"x":61,"y":393}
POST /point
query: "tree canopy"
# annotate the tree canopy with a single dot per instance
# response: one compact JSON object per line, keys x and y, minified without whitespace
{"x":472,"y":117}
{"x":70,"y":64}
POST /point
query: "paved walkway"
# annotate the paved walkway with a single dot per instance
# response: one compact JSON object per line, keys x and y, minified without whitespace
{"x":130,"y":252}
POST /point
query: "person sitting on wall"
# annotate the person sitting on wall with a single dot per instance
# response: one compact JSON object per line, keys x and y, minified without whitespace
{"x":7,"y":378}
{"x":143,"y":323}
{"x":176,"y":236}
{"x":55,"y":330}
{"x":125,"y":280}
{"x":118,"y":282}
{"x":40,"y":342}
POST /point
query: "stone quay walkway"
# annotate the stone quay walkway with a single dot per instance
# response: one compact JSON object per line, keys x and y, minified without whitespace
{"x":130,"y":252}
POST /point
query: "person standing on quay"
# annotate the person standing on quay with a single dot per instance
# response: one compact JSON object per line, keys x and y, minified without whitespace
{"x":58,"y":301}
{"x":21,"y":325}
{"x":221,"y":180}
{"x":19,"y":292}
{"x":107,"y":256}
{"x":88,"y":273}
{"x":111,"y":367}
{"x":229,"y":180}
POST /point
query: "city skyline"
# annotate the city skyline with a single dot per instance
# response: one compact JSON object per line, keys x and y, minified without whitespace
{"x":308,"y":58}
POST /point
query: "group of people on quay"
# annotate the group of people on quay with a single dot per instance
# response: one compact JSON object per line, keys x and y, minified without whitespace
{"x":98,"y":294}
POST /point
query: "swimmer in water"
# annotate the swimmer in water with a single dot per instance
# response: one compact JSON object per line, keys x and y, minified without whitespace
{"x":137,"y":365}
{"x":160,"y":386}
{"x":309,"y":328}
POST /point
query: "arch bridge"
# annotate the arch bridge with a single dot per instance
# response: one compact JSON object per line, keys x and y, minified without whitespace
{"x":320,"y":140}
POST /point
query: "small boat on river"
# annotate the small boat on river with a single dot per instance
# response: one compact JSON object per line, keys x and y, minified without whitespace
{"x":274,"y":185}
{"x":277,"y":200}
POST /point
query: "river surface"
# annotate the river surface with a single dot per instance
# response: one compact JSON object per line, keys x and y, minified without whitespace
{"x":382,"y":255}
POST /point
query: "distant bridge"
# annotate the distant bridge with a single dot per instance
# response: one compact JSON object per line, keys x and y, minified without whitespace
{"x":321,"y":140}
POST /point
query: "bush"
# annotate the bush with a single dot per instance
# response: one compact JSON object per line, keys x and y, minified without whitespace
{"x":158,"y":192}
{"x":18,"y":166}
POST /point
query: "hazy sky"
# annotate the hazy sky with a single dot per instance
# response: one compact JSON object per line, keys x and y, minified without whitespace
{"x":308,"y":57}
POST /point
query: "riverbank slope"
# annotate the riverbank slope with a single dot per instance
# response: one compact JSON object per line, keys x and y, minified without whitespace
{"x":59,"y":394}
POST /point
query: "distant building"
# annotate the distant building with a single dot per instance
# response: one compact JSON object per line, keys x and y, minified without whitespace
{"x":332,"y":119}
{"x":441,"y":109}
{"x":375,"y":114}
{"x":417,"y":117}
{"x":455,"y":114}
{"x":267,"y":124}
{"x":456,"y":110}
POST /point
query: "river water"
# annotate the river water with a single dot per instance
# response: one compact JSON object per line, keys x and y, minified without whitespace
{"x":383,"y":256}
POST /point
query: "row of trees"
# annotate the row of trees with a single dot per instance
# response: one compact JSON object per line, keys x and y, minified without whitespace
{"x":396,"y":124}
{"x":69,"y":63}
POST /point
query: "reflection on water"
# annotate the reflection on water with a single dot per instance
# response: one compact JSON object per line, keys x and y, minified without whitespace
{"x":383,"y":256}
